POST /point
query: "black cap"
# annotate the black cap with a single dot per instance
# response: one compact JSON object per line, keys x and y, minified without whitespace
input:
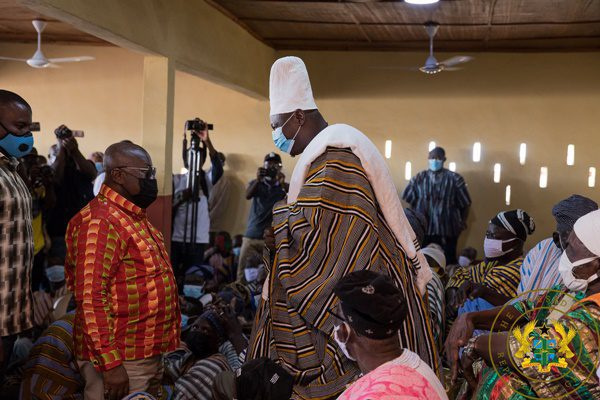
{"x":262,"y":378}
{"x":373,"y":306}
{"x":272,"y":156}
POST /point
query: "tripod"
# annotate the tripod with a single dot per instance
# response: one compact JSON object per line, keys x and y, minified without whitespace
{"x":193,"y":159}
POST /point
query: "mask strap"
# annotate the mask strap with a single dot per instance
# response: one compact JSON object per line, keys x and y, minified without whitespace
{"x":592,"y":278}
{"x":299,"y":127}
{"x":582,"y":261}
{"x":288,"y":120}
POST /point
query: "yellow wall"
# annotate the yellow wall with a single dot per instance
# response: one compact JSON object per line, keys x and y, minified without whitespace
{"x":501,"y":100}
{"x":193,"y":34}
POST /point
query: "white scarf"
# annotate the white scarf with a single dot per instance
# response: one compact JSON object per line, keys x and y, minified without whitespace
{"x":345,"y":136}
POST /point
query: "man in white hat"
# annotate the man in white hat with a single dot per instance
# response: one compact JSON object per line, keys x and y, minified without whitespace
{"x":343,"y":214}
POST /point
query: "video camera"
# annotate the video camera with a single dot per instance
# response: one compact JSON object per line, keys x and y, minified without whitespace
{"x":197,"y":125}
{"x":62,"y":132}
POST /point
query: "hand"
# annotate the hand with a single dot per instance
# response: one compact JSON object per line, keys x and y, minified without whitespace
{"x":204,"y":135}
{"x":460,"y":333}
{"x":466,"y":366}
{"x":230,"y":322}
{"x":470,"y":290}
{"x":261,"y":174}
{"x":70,"y":144}
{"x":116,"y":383}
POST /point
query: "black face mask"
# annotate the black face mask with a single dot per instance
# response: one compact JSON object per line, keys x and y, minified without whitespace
{"x":148,"y":193}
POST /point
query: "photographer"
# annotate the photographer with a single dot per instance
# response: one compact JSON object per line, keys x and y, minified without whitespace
{"x":73,"y":177}
{"x":266,"y":190}
{"x":186,"y":250}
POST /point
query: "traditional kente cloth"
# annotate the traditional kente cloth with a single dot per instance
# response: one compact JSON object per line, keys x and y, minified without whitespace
{"x":435,"y":293}
{"x":333,"y":228}
{"x":504,"y":279}
{"x":51,"y":371}
{"x":578,"y":381}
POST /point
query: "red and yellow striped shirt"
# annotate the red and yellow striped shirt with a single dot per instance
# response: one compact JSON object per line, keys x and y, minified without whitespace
{"x":119,"y":271}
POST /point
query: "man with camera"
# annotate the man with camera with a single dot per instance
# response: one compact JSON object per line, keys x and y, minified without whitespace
{"x":191,"y":220}
{"x":73,"y":177}
{"x":268,"y":188}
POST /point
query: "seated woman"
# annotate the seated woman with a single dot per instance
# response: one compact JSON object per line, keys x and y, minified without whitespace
{"x":494,"y":281}
{"x":553,"y":349}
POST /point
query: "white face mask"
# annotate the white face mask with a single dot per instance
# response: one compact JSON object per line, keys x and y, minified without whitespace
{"x":493,"y":247}
{"x":565,"y":268}
{"x":342,"y":345}
{"x":251,"y":274}
{"x":464,"y":261}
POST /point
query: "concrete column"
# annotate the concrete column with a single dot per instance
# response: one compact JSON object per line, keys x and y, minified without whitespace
{"x":157,"y":134}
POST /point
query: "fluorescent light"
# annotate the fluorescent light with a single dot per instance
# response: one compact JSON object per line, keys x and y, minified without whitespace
{"x":183,"y":171}
{"x":507,"y":195}
{"x":523,"y":153}
{"x":476,"y":152}
{"x":421,"y":2}
{"x":570,"y":154}
{"x":408,"y":170}
{"x":431,"y":145}
{"x":388,"y":149}
{"x":452,"y":166}
{"x":497,"y":172}
{"x":544,"y":177}
{"x":592,"y":177}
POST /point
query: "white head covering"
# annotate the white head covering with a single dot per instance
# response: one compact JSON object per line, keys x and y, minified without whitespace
{"x":289,"y":86}
{"x":435,"y":252}
{"x":587,"y":229}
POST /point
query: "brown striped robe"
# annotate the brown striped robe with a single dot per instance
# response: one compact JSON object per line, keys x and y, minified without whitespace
{"x":335,"y":227}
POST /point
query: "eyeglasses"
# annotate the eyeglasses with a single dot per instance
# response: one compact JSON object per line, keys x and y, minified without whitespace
{"x":148,"y":172}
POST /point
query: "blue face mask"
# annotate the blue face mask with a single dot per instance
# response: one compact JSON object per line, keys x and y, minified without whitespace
{"x":281,"y":142}
{"x":56,"y":273}
{"x":435,"y":165}
{"x":99,"y":167}
{"x":236,"y":251}
{"x":184,"y":320}
{"x":16,"y":146}
{"x":195,"y":291}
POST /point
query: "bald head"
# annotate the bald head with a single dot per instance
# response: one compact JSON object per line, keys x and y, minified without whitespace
{"x":125,"y":154}
{"x":129,"y":172}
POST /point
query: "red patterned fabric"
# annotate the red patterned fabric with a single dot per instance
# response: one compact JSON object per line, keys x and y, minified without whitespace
{"x":119,"y":271}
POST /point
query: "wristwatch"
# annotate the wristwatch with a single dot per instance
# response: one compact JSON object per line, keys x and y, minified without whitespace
{"x":469,"y":349}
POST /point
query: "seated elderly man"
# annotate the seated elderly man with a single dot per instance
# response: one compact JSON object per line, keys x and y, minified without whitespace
{"x":553,"y":349}
{"x":370,"y":312}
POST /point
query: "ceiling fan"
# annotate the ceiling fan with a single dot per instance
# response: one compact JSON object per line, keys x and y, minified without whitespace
{"x":432,"y":66}
{"x":39,"y":60}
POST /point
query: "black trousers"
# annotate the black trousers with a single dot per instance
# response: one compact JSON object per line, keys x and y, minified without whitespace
{"x":448,"y":243}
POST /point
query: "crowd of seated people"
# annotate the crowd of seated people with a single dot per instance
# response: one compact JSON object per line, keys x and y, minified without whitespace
{"x":325,"y":297}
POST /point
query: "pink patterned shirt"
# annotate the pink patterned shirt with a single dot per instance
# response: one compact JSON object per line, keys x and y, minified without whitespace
{"x":407,"y":378}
